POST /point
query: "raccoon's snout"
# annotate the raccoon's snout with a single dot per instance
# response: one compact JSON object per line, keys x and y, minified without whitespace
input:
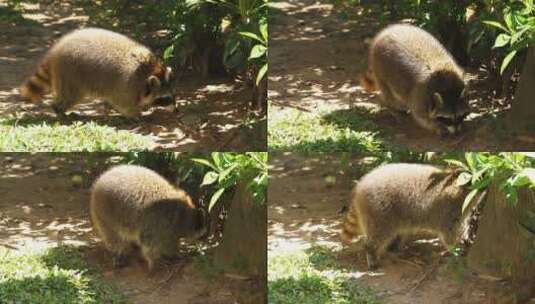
{"x":452,"y":125}
{"x":166,"y":101}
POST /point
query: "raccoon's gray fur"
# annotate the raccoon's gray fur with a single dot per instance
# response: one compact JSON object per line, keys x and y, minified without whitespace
{"x":396,"y":200}
{"x":100,"y":64}
{"x":132,"y":206}
{"x":415,"y":73}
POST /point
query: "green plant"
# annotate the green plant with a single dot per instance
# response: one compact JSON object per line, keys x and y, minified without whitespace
{"x":248,"y":37}
{"x":314,"y":276}
{"x":508,"y":169}
{"x":67,"y":138}
{"x":228,"y":168}
{"x":55,"y":275}
{"x":259,"y":52}
{"x":518,"y":29}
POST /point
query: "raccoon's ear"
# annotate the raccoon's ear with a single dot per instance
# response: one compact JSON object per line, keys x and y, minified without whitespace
{"x":438,"y":99}
{"x":153,"y":85}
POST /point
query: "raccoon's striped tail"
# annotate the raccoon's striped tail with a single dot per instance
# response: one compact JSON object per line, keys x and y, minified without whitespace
{"x":35,"y":87}
{"x":367,"y":82}
{"x":351,"y":227}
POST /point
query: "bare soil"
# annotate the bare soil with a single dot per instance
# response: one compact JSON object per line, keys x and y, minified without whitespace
{"x":316,"y":59}
{"x":305,"y":209}
{"x":211,"y":112}
{"x":43,"y":206}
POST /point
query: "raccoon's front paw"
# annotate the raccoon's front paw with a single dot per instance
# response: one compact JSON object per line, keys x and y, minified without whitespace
{"x":442,"y":132}
{"x":60,"y":112}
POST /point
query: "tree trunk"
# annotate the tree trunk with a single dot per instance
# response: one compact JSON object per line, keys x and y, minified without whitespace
{"x":260,"y":94}
{"x":243,"y":249}
{"x":505,"y":241}
{"x":522,"y":116}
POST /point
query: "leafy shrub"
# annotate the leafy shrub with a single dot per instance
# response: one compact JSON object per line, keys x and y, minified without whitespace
{"x":508,"y":169}
{"x":227,"y":169}
{"x":235,"y":26}
{"x":518,"y":29}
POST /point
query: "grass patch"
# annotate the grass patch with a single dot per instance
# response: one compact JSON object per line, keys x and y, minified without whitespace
{"x":313,"y":276}
{"x":294,"y":130}
{"x":57,"y":275}
{"x":68,"y":138}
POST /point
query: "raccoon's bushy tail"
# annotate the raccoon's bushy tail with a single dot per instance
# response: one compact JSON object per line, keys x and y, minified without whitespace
{"x":37,"y":85}
{"x":367,"y":82}
{"x":351,"y":227}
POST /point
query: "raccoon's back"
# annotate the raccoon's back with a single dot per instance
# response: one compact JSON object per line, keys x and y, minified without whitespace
{"x":133,"y":186}
{"x":404,"y":56}
{"x":407,"y":189}
{"x":97,"y":57}
{"x":412,"y":47}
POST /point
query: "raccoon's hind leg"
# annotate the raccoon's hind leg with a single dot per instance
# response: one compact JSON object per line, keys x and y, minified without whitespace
{"x":371,"y":254}
{"x":376,"y":246}
{"x":387,"y":98}
{"x":151,"y":256}
{"x":115,"y":244}
{"x":65,"y":99}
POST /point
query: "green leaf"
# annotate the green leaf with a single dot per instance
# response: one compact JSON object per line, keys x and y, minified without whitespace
{"x":468,"y":199}
{"x":169,"y":52}
{"x":263,"y":70}
{"x":496,"y":24}
{"x":477,"y":176}
{"x":482,"y":183}
{"x":264,"y":31}
{"x":216,"y":157}
{"x":516,"y":36}
{"x":508,"y":18}
{"x":512,"y":196}
{"x":529,"y":173}
{"x":226,"y":172}
{"x":209,"y":178}
{"x":507,"y":60}
{"x":463,"y":179}
{"x":215,"y":198}
{"x":471,"y":160}
{"x":257,"y":51}
{"x":252,"y":36}
{"x":501,"y":40}
{"x":204,"y":162}
{"x":456,"y":163}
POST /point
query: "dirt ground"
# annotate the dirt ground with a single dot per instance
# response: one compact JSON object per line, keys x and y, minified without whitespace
{"x":211,"y":113}
{"x":304,"y":209}
{"x":42,"y":206}
{"x":316,"y":58}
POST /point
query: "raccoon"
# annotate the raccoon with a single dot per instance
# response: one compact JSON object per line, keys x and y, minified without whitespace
{"x":132,"y":206}
{"x":99,"y":63}
{"x":397,"y":200}
{"x":415,"y":73}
